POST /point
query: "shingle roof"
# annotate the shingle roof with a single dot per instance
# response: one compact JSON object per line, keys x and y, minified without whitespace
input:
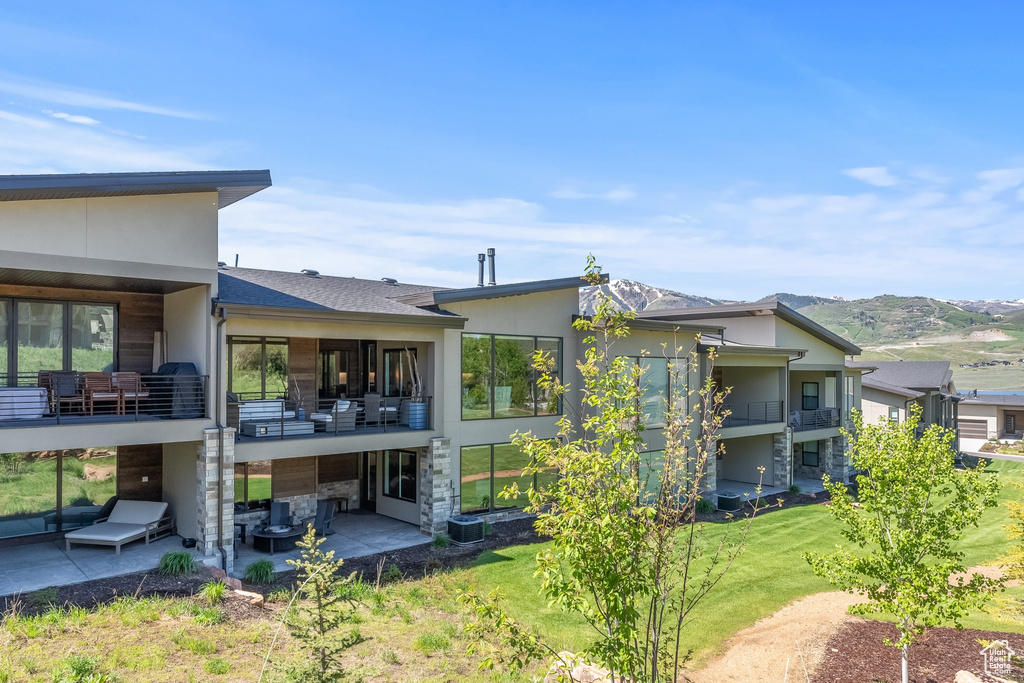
{"x":870,"y":383}
{"x":923,"y":375}
{"x":994,"y":400}
{"x":737,"y":310}
{"x":278,"y":289}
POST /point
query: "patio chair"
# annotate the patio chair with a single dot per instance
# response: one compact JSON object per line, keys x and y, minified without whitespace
{"x":98,"y":388}
{"x":372,"y":408}
{"x":131,"y":387}
{"x":390,"y":409}
{"x":280,"y":514}
{"x":129,"y":521}
{"x":324,"y":518}
{"x":341,"y":418}
{"x":64,"y":386}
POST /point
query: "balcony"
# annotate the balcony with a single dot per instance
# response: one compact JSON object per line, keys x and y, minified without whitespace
{"x":264,"y":419}
{"x":746,"y":414}
{"x":60,"y":398}
{"x":806,"y":420}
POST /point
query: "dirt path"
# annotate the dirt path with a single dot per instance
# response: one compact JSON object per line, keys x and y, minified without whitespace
{"x":771,"y":649}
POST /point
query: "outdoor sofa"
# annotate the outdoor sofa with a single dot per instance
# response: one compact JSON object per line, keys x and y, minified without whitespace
{"x":129,"y":521}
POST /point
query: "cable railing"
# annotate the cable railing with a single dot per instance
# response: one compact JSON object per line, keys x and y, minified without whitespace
{"x":757,"y":413}
{"x":70,"y":397}
{"x":805,"y":420}
{"x":280,"y":418}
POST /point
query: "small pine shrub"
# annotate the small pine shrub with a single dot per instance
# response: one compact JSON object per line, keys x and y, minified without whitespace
{"x":705,"y":506}
{"x":176,"y":563}
{"x":793,"y":488}
{"x":260,"y":573}
{"x":213,"y":591}
{"x":392,"y":574}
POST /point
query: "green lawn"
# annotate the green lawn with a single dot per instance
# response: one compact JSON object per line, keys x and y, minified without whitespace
{"x":770,"y":573}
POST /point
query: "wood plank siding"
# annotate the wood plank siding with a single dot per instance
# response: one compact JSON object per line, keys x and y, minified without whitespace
{"x":293,"y":477}
{"x":302,"y":354}
{"x":338,"y":467}
{"x":136,"y":462}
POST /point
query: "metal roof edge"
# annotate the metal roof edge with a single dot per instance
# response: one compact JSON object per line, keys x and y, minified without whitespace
{"x":660,"y":325}
{"x":449,"y":296}
{"x":329,"y":315}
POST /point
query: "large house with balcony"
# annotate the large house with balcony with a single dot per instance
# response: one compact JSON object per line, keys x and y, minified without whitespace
{"x":790,"y":393}
{"x":133,"y":364}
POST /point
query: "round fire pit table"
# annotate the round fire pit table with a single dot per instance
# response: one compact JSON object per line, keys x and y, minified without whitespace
{"x":273,"y":538}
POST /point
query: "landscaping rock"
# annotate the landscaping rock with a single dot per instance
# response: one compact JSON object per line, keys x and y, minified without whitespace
{"x":254,"y":598}
{"x":569,"y":664}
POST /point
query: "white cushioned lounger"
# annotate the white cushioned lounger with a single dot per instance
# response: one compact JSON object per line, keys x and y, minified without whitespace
{"x":129,"y":521}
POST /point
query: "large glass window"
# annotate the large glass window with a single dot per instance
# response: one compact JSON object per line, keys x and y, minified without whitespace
{"x":498,"y":378}
{"x":48,"y":491}
{"x":848,"y":404}
{"x":653,"y":396}
{"x":398,"y":372}
{"x":252,"y":484}
{"x":810,"y":396}
{"x":92,"y":338}
{"x":40,"y":336}
{"x":400,"y":475}
{"x":810,"y":457}
{"x":487,"y":470}
{"x":258,"y":367}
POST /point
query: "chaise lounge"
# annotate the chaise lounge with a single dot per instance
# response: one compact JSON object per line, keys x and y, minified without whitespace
{"x":129,"y":521}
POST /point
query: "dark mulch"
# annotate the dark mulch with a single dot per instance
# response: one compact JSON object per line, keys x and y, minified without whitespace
{"x":773,"y":501}
{"x":856,"y":654}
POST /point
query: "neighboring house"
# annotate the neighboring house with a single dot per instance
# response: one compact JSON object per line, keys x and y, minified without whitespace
{"x":991,"y":416}
{"x":790,"y":392}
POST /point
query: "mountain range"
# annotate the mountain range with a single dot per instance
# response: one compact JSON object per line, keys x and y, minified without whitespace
{"x":884,"y":319}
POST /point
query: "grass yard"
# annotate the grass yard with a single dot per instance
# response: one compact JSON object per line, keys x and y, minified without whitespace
{"x":412,"y":630}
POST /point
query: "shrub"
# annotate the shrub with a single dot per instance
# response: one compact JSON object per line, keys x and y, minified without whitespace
{"x":41,"y":597}
{"x":279,"y":595}
{"x":80,"y":669}
{"x":430,"y":642}
{"x":213,"y":591}
{"x":216,"y":666}
{"x":488,"y":528}
{"x":705,"y":506}
{"x":433,"y":565}
{"x":392,"y":574}
{"x":176,"y":563}
{"x":441,"y":541}
{"x":793,"y":488}
{"x":260,"y":573}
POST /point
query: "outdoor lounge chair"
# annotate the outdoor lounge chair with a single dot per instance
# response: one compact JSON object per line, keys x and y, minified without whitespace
{"x":343,"y":412}
{"x":280,"y":514}
{"x":129,"y":521}
{"x":324,"y":517}
{"x":98,"y":388}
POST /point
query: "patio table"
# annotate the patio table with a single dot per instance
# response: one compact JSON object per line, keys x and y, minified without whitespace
{"x":264,"y":541}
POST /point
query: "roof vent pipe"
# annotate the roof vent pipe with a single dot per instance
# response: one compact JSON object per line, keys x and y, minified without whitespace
{"x":480,"y":276}
{"x":490,"y":259}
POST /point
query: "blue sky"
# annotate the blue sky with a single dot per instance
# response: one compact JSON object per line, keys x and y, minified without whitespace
{"x":725,"y":149}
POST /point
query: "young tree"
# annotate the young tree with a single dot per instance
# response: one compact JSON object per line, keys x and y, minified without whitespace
{"x":626,"y":553}
{"x":323,"y":609}
{"x":1013,"y":561}
{"x":912,"y":508}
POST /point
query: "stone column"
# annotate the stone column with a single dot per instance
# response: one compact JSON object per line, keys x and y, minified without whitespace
{"x":710,"y":480}
{"x":782,"y":458}
{"x":436,"y":494}
{"x":838,"y":464}
{"x":206,"y":470}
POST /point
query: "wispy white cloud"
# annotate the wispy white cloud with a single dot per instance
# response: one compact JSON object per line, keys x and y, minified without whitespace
{"x":75,"y":97}
{"x":618,"y":194}
{"x":994,"y":182}
{"x":75,"y":118}
{"x":878,"y":176}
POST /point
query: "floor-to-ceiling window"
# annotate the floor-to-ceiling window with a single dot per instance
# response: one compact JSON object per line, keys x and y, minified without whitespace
{"x":498,"y":377}
{"x":258,"y":367}
{"x":488,"y":470}
{"x":47,"y":491}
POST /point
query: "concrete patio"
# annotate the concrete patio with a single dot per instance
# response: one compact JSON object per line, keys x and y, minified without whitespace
{"x":746,"y":491}
{"x":355,"y":535}
{"x":39,"y":565}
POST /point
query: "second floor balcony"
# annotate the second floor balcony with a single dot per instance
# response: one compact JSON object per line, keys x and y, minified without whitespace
{"x":371,"y":414}
{"x":757,"y":413}
{"x":806,"y":420}
{"x":55,"y":398}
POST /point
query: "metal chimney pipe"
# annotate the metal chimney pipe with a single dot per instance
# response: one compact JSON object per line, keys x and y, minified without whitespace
{"x":490,"y":259}
{"x":480,"y":262}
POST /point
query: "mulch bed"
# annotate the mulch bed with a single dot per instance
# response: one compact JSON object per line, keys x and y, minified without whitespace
{"x":856,"y":654}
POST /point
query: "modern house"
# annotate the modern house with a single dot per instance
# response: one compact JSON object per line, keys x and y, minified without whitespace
{"x":991,"y":416}
{"x":133,"y":364}
{"x":790,"y":392}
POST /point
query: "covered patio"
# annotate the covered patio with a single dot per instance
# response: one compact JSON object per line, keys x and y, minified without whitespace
{"x":746,"y":491}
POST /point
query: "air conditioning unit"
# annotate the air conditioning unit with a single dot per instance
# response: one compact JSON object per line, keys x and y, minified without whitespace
{"x":465,"y":529}
{"x":729,"y":502}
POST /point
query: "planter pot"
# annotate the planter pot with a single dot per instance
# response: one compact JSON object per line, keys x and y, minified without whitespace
{"x":417,"y":415}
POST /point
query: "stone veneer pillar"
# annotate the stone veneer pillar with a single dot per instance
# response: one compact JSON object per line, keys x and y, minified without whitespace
{"x":837,"y":465}
{"x":782,"y":458}
{"x":436,"y":493}
{"x":710,"y":480}
{"x":206,"y":470}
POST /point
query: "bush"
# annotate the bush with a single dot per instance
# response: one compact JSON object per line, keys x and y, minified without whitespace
{"x":80,"y":669}
{"x":705,"y":506}
{"x":260,"y":573}
{"x":177,"y":563}
{"x":279,"y":595}
{"x":441,"y":541}
{"x":216,"y":666}
{"x":213,"y":591}
{"x":392,"y":574}
{"x":793,"y":488}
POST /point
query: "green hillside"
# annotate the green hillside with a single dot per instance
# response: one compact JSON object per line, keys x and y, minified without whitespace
{"x":890,"y":319}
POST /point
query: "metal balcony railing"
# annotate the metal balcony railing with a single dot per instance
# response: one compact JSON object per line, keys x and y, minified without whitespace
{"x":278,"y":418}
{"x":71,"y":397}
{"x":758,"y":413}
{"x":805,"y":420}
